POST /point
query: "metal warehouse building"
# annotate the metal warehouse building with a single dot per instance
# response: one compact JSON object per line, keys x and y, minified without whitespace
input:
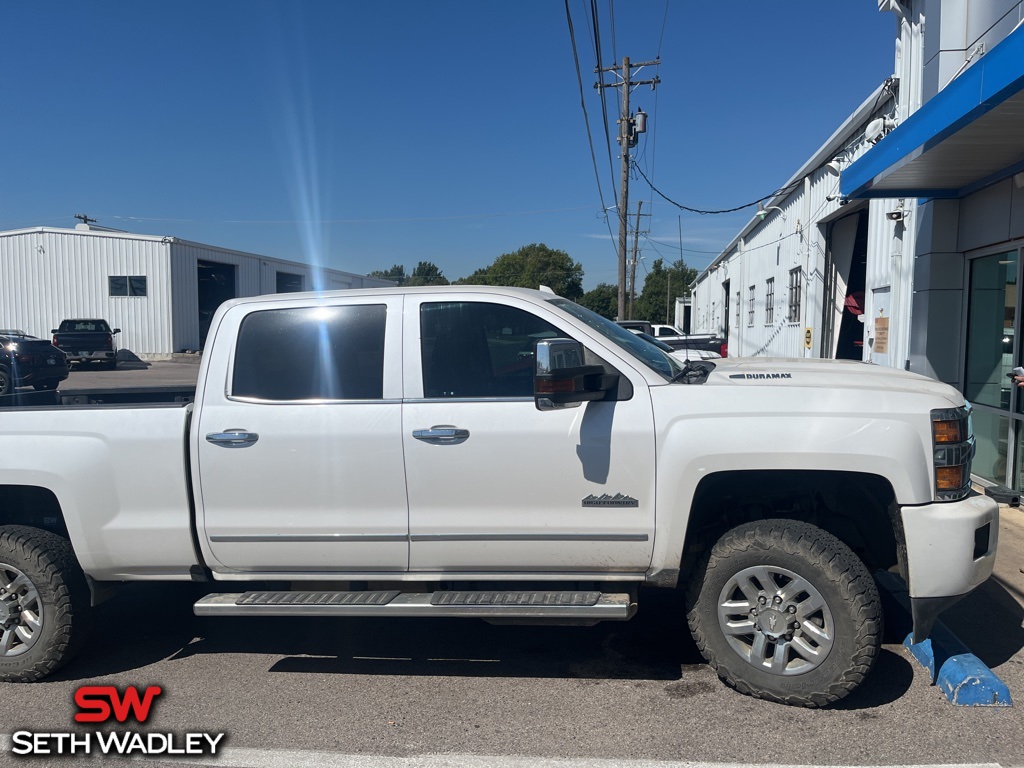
{"x":901,"y":241}
{"x":160,"y":291}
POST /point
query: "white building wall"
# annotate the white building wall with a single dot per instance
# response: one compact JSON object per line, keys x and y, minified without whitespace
{"x":889,"y":285}
{"x":254,"y":275}
{"x":792,"y":236}
{"x":49,"y":275}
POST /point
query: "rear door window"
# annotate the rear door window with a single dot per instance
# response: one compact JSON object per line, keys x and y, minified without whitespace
{"x":311,"y":353}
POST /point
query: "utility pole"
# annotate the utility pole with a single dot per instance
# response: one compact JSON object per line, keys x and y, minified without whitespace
{"x":668,"y":293}
{"x":629,"y":127}
{"x":632,"y":270}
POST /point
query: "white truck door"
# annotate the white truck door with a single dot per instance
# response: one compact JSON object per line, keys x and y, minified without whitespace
{"x":496,"y":485}
{"x":299,"y":444}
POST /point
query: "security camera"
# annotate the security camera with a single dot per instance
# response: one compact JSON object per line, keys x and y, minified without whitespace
{"x":896,"y":215}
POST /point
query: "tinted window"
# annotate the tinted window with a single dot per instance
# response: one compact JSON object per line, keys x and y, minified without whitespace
{"x":84,"y":325}
{"x":630,"y":342}
{"x":475,"y":349}
{"x":127,"y":285}
{"x":312,"y":353}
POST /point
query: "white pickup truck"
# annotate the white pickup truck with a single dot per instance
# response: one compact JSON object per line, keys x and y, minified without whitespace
{"x":523,"y":457}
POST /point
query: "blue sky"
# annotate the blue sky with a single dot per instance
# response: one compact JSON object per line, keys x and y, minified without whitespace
{"x":361,"y":135}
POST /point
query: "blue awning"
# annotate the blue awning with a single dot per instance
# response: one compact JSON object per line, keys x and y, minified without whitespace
{"x":969,"y":135}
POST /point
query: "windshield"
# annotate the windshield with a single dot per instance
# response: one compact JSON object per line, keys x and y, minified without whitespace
{"x":634,"y":345}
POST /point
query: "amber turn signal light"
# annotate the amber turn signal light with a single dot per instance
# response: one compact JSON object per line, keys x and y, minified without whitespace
{"x":949,"y":478}
{"x":947,"y":431}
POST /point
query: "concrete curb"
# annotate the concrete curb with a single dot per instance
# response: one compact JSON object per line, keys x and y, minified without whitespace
{"x":963,"y":678}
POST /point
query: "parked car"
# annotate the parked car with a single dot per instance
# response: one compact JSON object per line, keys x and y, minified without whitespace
{"x":671,"y":335}
{"x":87,"y":341}
{"x":682,"y":355}
{"x":26,"y":360}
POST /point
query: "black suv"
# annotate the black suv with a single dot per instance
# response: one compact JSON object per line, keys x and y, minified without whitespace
{"x":26,"y":360}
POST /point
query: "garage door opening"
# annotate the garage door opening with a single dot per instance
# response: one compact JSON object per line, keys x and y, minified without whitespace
{"x":845,"y":274}
{"x":217,"y":284}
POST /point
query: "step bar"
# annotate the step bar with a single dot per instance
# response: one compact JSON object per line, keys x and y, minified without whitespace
{"x":497,"y":604}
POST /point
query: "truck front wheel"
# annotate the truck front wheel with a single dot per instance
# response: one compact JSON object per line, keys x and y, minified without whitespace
{"x":44,"y":603}
{"x":784,"y":611}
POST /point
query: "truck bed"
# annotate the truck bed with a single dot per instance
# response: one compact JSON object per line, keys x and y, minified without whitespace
{"x":121,"y":481}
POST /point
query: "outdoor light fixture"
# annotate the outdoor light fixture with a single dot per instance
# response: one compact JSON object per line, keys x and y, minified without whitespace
{"x":762,"y":211}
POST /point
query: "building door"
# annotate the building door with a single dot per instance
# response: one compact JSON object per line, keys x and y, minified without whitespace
{"x":725,"y":310}
{"x":217,"y":284}
{"x":991,"y":352}
{"x":845,"y":271}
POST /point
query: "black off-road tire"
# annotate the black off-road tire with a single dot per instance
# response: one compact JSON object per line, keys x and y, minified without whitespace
{"x":824,"y":564}
{"x":6,"y":383}
{"x":45,"y":386}
{"x":49,"y":563}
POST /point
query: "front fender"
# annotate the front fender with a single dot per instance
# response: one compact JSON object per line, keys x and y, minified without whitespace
{"x":692,"y":448}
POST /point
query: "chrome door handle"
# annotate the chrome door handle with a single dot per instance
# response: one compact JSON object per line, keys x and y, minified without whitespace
{"x":441,"y":434}
{"x":233,"y":438}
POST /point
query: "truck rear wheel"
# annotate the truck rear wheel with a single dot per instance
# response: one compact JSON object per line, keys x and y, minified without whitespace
{"x":44,"y":603}
{"x":784,"y":611}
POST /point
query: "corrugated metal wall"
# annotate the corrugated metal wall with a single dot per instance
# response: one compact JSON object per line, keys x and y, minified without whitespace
{"x":254,"y":275}
{"x":787,"y":239}
{"x":49,"y":275}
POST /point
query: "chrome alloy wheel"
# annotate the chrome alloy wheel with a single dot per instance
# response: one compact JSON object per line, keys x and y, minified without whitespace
{"x":776,"y":620}
{"x":21,"y":612}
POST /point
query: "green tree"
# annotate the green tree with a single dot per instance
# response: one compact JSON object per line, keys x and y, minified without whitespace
{"x":426,"y":273}
{"x":661,"y":287}
{"x":530,"y":267}
{"x":604,"y":299}
{"x":396,"y":273}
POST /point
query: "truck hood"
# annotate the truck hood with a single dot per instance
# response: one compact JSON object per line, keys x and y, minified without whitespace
{"x":831,"y":374}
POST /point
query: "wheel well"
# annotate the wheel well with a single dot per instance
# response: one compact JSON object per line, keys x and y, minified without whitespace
{"x":858,"y":509}
{"x":32,"y":506}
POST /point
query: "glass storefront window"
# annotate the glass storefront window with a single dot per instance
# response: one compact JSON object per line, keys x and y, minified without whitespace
{"x":991,"y":316}
{"x":991,"y":432}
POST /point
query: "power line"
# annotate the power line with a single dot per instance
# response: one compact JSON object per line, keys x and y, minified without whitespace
{"x":586,"y":117}
{"x":611,"y":20}
{"x":676,"y":247}
{"x":596,"y":37}
{"x":664,"y":21}
{"x":355,"y":221}
{"x":680,"y":206}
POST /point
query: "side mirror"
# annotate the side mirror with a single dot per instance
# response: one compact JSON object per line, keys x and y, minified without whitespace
{"x":54,"y":330}
{"x":561,"y":380}
{"x":116,"y":330}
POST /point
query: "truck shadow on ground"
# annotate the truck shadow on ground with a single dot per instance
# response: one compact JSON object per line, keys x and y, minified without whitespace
{"x":156,"y":624}
{"x":988,"y":621}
